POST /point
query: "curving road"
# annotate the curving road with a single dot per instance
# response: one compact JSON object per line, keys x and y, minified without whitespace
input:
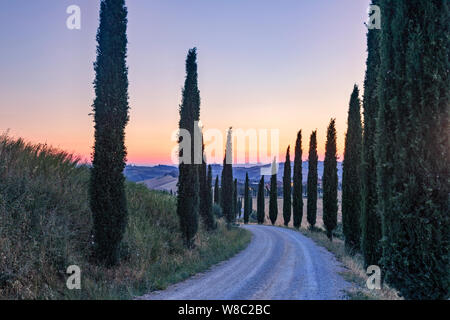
{"x":278,"y":264}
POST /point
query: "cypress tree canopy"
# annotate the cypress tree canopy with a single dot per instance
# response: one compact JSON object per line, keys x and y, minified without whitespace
{"x":297,"y":196}
{"x":227,"y":181}
{"x":351,"y":182}
{"x":312,"y":181}
{"x":188,"y":179}
{"x":287,"y":189}
{"x":370,"y":218}
{"x":107,"y":190}
{"x":330,"y":181}
{"x":246,"y":199}
{"x":261,"y":202}
{"x":273,"y":200}
{"x":412,"y":147}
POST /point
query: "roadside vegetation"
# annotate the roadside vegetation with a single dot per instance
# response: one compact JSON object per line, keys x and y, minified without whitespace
{"x":354,"y":265}
{"x":46,"y":226}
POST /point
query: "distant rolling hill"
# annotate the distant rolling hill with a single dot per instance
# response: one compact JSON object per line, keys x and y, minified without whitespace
{"x":164,"y":183}
{"x":165,"y":177}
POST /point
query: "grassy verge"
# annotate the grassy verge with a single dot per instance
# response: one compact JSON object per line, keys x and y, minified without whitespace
{"x":354,"y":268}
{"x":45,"y":226}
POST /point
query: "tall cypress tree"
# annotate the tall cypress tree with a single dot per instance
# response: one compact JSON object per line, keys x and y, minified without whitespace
{"x":413,"y":147}
{"x":273,"y":200}
{"x":227,"y":181}
{"x":287,"y":188}
{"x":235,"y":200}
{"x":216,"y":191}
{"x":330,"y":181}
{"x":107,"y":190}
{"x":297,"y":196}
{"x":370,"y":218}
{"x":311,"y":187}
{"x":351,"y":182}
{"x":260,"y":210}
{"x":246,"y":199}
{"x":188,"y":179}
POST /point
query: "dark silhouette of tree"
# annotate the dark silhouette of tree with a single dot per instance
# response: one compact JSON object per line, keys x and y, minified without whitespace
{"x":330,"y":181}
{"x":227,"y":182}
{"x":188,"y":179}
{"x":273,"y":200}
{"x":370,"y":218}
{"x":217,"y":191}
{"x":311,"y":188}
{"x":297,"y":196}
{"x":260,"y":210}
{"x":287,"y":189}
{"x":351,"y":182}
{"x":413,"y":148}
{"x":246,"y":199}
{"x":107,"y":183}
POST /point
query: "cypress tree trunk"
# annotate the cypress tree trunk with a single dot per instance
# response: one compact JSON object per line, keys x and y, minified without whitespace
{"x":311,"y":188}
{"x":227,"y":182}
{"x":188,"y":180}
{"x":287,"y":189}
{"x":370,"y":218}
{"x":297,"y":196}
{"x":246,"y":200}
{"x":413,"y":147}
{"x":351,"y":182}
{"x":107,"y":190}
{"x":330,"y":182}
{"x":216,"y":191}
{"x":260,"y":203}
{"x":273,"y":204}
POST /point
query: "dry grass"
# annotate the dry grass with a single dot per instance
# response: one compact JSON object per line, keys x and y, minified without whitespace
{"x":45,"y":226}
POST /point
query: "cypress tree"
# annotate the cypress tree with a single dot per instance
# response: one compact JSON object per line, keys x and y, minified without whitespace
{"x":273,"y":200}
{"x":351,"y":182}
{"x":330,"y":181}
{"x":297,"y":196}
{"x":235,"y":200}
{"x":227,"y":182}
{"x":370,"y":218}
{"x":260,"y":208}
{"x":250,"y":201}
{"x":239,"y":207}
{"x":287,"y":188}
{"x":413,"y":147}
{"x":206,"y":197}
{"x":216,"y":191}
{"x":188,"y":180}
{"x":246,"y":199}
{"x":107,"y":183}
{"x":311,"y":187}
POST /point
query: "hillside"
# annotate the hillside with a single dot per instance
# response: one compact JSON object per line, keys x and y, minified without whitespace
{"x":143,"y":173}
{"x":45,"y":226}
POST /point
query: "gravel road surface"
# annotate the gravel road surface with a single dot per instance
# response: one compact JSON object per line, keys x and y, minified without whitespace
{"x":278,"y":263}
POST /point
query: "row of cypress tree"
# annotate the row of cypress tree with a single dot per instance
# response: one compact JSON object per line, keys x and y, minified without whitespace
{"x":395,"y":202}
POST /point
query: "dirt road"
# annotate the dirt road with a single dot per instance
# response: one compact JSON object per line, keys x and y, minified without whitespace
{"x":279,"y":263}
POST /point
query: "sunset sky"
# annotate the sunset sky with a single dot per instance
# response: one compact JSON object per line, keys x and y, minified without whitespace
{"x":263,"y":64}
